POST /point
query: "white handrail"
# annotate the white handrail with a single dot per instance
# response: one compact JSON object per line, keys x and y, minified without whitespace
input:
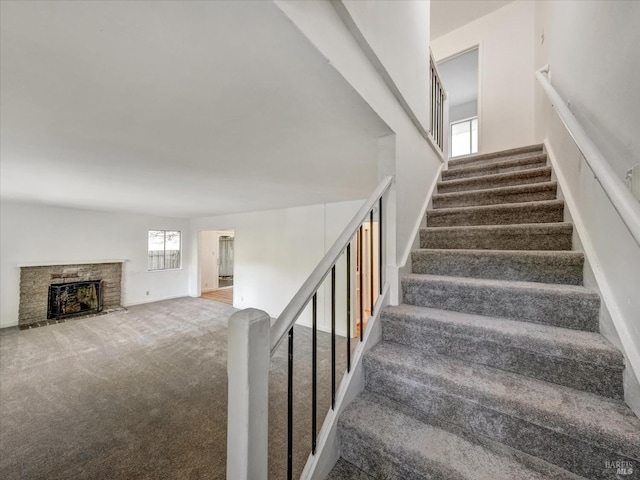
{"x":614,"y":188}
{"x":297,"y":304}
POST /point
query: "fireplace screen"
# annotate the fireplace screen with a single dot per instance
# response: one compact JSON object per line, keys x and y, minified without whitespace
{"x":74,"y":298}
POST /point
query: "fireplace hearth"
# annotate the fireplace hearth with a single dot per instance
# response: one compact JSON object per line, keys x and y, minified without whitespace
{"x":74,"y":298}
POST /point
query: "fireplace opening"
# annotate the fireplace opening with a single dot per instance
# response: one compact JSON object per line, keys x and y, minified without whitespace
{"x":74,"y":298}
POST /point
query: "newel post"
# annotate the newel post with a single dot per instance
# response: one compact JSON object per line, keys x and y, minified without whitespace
{"x":248,"y":359}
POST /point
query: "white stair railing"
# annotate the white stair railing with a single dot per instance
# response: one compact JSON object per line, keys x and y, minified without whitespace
{"x":439,"y":124}
{"x":252,"y":342}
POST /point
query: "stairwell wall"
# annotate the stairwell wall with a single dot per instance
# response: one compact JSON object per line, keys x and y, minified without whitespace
{"x":399,"y":37}
{"x":588,"y":46}
{"x":390,"y":71}
{"x":592,"y":49}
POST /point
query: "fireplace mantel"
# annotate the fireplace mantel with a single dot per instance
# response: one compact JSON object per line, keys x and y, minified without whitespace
{"x":54,"y":264}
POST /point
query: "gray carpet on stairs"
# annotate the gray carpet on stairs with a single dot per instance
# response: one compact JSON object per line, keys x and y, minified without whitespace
{"x":529,"y":266}
{"x":568,"y":306}
{"x":548,"y":406}
{"x":388,"y":443}
{"x":554,"y":423}
{"x":548,"y":211}
{"x":481,"y":158}
{"x":524,"y":177}
{"x":510,"y":165}
{"x":493,"y":367}
{"x":499,"y":195}
{"x":581,"y":360}
{"x":347,"y":471}
{"x":535,"y":236}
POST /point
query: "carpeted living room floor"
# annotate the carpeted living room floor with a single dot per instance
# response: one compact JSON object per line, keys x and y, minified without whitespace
{"x":141,"y":394}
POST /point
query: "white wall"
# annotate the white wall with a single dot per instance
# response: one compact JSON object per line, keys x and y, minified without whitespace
{"x":34,"y":233}
{"x":593,"y":52}
{"x":612,"y":253}
{"x":399,"y":35}
{"x":506,"y":43}
{"x":588,"y":46}
{"x":275,"y":251}
{"x":409,"y":156}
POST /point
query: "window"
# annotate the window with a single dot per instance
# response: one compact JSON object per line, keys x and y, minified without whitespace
{"x":164,"y":249}
{"x":464,"y":137}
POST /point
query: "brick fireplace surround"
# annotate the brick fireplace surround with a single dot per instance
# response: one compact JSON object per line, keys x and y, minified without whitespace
{"x":35,"y":281}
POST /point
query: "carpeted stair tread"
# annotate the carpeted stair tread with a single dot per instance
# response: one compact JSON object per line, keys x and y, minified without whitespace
{"x":547,"y":211}
{"x":522,"y":177}
{"x":494,"y":196}
{"x":589,"y":418}
{"x":344,"y":470}
{"x":588,"y":347}
{"x":535,"y":236}
{"x":546,"y":266}
{"x":480,"y":162}
{"x":567,"y":306}
{"x":480,"y":157}
{"x":388,"y":444}
{"x":499,"y":165}
{"x":577,"y":359}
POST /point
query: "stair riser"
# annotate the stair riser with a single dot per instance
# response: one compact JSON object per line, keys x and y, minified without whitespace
{"x":469,"y":199}
{"x":496,"y":156}
{"x":483,"y":183}
{"x":576,"y":311}
{"x":493,"y":240}
{"x":363,"y":452}
{"x":492,"y":169}
{"x":575,"y":455}
{"x":541,"y":269}
{"x":509,"y":215}
{"x":488,"y":348}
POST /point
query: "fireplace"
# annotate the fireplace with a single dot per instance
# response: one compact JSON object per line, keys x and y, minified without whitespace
{"x":57,"y":292}
{"x":73,"y":298}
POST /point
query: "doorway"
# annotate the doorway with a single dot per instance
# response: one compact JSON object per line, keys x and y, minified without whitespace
{"x":367,"y":277}
{"x":225,"y":261}
{"x":216,"y":261}
{"x":460,"y":76}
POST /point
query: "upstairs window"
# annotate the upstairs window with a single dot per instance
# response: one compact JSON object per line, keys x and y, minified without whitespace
{"x":164,"y":249}
{"x":464,"y":137}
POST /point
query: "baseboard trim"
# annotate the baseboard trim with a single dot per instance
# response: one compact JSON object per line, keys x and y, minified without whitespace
{"x":423,"y":212}
{"x":630,"y":351}
{"x":152,"y":300}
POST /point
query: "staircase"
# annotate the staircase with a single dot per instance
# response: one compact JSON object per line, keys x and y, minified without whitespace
{"x":493,"y":367}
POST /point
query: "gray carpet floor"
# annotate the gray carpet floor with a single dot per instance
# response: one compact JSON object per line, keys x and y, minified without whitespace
{"x":141,"y":394}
